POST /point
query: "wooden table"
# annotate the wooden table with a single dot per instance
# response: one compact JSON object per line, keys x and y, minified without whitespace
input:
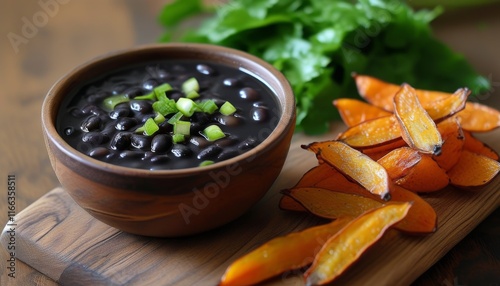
{"x":58,"y":37}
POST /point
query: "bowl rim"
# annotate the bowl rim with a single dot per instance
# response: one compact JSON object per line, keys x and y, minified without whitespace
{"x":286,"y":119}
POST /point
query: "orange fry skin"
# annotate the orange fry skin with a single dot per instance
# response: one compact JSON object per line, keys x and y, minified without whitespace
{"x":280,"y":254}
{"x":473,"y":171}
{"x":344,"y":248}
{"x":353,"y":111}
{"x":478,"y":117}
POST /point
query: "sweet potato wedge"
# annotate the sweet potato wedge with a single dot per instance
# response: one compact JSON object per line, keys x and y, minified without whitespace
{"x":381,"y":93}
{"x":372,"y":133}
{"x":475,"y":145}
{"x":425,"y":176}
{"x":478,"y":117}
{"x":399,"y":162}
{"x":280,"y":254}
{"x":448,"y":106}
{"x":345,"y":247}
{"x":417,"y":128}
{"x":473,"y":171}
{"x":453,"y":143}
{"x":331,"y":204}
{"x":353,"y":111}
{"x":356,"y":165}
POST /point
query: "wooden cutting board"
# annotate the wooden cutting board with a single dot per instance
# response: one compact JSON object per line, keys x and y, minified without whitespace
{"x":59,"y":239}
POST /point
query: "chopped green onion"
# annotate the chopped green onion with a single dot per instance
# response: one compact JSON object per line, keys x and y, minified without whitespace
{"x":176,"y":138}
{"x":109,"y":103}
{"x":165,"y":107}
{"x":182,"y":127}
{"x":176,"y":117}
{"x":159,"y":118}
{"x":213,"y":132}
{"x":140,"y":129}
{"x":206,"y":163}
{"x":160,"y":91}
{"x":149,"y":96}
{"x":227,"y":108}
{"x":190,"y":85}
{"x":150,"y":127}
{"x":186,"y":106}
{"x":192,"y":94}
{"x":208,"y":106}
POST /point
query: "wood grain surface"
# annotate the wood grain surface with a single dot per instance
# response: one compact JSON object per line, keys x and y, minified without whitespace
{"x":60,"y":240}
{"x":80,"y":30}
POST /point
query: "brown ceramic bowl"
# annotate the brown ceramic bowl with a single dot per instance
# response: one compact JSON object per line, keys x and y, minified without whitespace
{"x":179,"y":202}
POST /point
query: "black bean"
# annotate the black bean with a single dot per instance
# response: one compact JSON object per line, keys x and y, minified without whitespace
{"x":109,"y":130}
{"x":77,"y":112}
{"x":119,"y":88}
{"x":149,"y":84}
{"x":259,"y":104}
{"x":205,"y":69}
{"x":209,"y":152}
{"x":99,"y":152}
{"x":181,"y":151}
{"x":95,"y":138}
{"x":248,"y":143}
{"x":175,"y":94}
{"x":97,"y":97}
{"x":228,"y":120}
{"x":143,"y":106}
{"x":142,"y":118}
{"x":233,"y":82}
{"x":228,"y":153}
{"x":200,"y":117}
{"x":165,"y":127}
{"x":140,"y":141}
{"x":249,"y":94}
{"x":91,"y":123}
{"x":120,"y":141}
{"x":132,"y":92}
{"x":161,"y":143}
{"x":259,"y":114}
{"x":125,"y":123}
{"x":159,"y":159}
{"x":69,"y":131}
{"x":227,"y":141}
{"x":199,"y":141}
{"x":131,"y":154}
{"x":92,"y":109}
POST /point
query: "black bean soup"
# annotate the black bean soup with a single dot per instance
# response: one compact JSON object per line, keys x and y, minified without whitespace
{"x":169,"y":115}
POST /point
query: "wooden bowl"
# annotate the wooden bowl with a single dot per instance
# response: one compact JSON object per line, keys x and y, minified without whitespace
{"x":170,"y":203}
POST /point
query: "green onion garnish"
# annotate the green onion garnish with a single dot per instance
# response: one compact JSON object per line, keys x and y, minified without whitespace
{"x":192,"y":94}
{"x":206,"y":163}
{"x":109,"y":103}
{"x":176,"y":117}
{"x":182,"y":127}
{"x":190,"y":85}
{"x":213,"y":132}
{"x":149,"y":96}
{"x":208,"y":106}
{"x":176,"y":138}
{"x":161,"y":90}
{"x":159,"y":118}
{"x":165,"y":107}
{"x":227,"y":108}
{"x":150,"y":127}
{"x":186,"y":106}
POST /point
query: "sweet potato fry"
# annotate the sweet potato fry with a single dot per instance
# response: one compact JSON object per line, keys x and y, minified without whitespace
{"x":280,"y":254}
{"x":399,"y":162}
{"x":287,"y":203}
{"x":361,"y":168}
{"x":448,"y":106}
{"x":473,"y":170}
{"x":381,"y":93}
{"x":381,"y":150}
{"x":353,"y":111}
{"x":421,"y":219}
{"x":425,"y":176}
{"x":475,"y":145}
{"x":417,"y":127}
{"x":345,"y":247}
{"x":331,"y":204}
{"x":453,"y":143}
{"x":372,"y":133}
{"x":478,"y":117}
